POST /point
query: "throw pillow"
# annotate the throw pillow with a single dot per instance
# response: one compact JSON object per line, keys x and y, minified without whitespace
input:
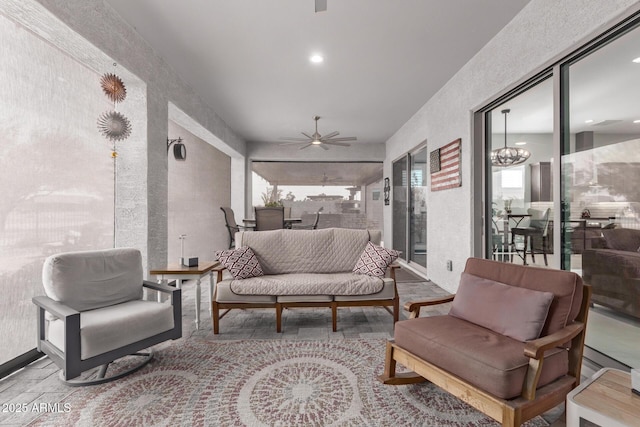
{"x":375,"y":260}
{"x":512,"y":311}
{"x":241,"y":263}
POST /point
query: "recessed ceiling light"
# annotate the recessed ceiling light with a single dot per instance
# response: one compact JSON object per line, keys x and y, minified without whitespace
{"x":588,"y":121}
{"x":520,"y":143}
{"x":636,"y":121}
{"x":316,"y":59}
{"x":637,"y":60}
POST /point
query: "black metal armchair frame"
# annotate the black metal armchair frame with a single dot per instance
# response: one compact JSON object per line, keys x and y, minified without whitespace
{"x":69,"y":359}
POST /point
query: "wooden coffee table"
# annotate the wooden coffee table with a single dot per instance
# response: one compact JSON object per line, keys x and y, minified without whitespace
{"x":180,"y":273}
{"x":605,"y":399}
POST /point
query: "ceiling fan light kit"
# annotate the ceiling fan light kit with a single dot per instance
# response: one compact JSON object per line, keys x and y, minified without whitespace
{"x":508,"y":156}
{"x":319,"y":140}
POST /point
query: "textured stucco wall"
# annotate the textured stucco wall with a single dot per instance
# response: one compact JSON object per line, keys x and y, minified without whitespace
{"x":542,"y":31}
{"x":142,"y":184}
{"x":198,"y":186}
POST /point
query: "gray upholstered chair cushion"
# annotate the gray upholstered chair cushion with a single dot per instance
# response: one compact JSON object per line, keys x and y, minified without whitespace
{"x":112,"y":327}
{"x":93,"y":279}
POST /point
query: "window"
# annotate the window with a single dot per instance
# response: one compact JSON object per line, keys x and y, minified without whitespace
{"x":56,"y":170}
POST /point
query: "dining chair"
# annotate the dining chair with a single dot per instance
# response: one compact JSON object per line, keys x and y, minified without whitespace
{"x":536,"y":237}
{"x":271,"y":218}
{"x":312,"y":226}
{"x":232,"y":227}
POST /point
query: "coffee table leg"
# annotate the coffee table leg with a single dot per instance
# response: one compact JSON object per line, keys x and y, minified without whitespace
{"x":198,"y":303}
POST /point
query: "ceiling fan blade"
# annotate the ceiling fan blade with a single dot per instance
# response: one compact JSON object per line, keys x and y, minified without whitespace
{"x":321,"y":5}
{"x":331,"y":135}
{"x":294,"y":139}
{"x":322,"y":146}
{"x":342,"y":144}
{"x":345,"y":138}
{"x":307,"y":135}
{"x":305,"y":146}
{"x":292,"y":143}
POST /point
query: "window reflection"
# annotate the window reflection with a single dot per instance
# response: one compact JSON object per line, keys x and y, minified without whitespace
{"x":601,"y":176}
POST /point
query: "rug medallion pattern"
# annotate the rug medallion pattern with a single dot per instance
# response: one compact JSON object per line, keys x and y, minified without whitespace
{"x":265,"y":383}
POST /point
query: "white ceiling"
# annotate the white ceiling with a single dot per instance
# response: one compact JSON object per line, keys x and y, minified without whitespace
{"x":384,"y":59}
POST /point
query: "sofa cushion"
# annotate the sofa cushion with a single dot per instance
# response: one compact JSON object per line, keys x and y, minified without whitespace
{"x":518,"y":313}
{"x":490,"y":361}
{"x":374,"y":260}
{"x":567,"y":287}
{"x":622,"y":239}
{"x":241,"y":263}
{"x":331,"y":250}
{"x":93,"y":279}
{"x":308,"y":284}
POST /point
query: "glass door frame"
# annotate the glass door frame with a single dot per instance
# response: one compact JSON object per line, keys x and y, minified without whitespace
{"x":406,"y":250}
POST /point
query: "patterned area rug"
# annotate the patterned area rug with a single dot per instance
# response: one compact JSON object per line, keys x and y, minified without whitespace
{"x":265,"y":383}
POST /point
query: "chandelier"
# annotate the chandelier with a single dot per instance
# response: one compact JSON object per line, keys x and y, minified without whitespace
{"x":508,"y":156}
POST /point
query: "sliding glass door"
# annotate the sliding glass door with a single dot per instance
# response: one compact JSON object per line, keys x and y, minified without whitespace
{"x":410,"y":207}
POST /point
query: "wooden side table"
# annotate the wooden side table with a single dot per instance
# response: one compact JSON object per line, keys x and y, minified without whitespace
{"x":605,"y":399}
{"x":179,"y":273}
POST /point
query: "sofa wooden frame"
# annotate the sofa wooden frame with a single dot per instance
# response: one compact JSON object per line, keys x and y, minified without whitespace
{"x":532,"y":402}
{"x":216,"y":307}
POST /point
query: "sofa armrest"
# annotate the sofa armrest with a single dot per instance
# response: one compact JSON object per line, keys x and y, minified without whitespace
{"x":392,"y":270}
{"x":414,"y":306}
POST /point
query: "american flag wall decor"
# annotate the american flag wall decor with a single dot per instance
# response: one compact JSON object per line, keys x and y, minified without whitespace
{"x":448,"y":176}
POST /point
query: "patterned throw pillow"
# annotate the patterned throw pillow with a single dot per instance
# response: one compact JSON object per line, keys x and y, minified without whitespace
{"x":375,"y":260}
{"x":241,"y":263}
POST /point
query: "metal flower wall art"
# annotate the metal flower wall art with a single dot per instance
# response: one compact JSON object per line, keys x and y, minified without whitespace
{"x":113,"y":87}
{"x":113,"y":124}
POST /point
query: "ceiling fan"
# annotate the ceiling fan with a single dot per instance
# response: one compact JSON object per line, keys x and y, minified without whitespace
{"x":319,"y":140}
{"x":326,"y":180}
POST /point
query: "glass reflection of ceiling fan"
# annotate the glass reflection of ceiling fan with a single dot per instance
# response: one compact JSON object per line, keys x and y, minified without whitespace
{"x":327,"y":181}
{"x":319,"y":140}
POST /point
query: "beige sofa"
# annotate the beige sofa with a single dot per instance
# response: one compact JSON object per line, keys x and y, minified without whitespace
{"x":305,"y":268}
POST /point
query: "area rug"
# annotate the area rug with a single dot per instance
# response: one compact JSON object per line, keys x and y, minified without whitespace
{"x":264,"y":383}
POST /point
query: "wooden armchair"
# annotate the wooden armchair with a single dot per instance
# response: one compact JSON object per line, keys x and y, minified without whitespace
{"x":503,"y":377}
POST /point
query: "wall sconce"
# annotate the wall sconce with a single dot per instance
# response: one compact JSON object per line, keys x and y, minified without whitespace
{"x":387,"y":191}
{"x":179,"y":149}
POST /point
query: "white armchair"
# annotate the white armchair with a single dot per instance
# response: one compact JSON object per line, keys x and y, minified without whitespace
{"x":94,"y":312}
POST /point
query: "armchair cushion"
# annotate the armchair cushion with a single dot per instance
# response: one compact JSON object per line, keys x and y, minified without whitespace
{"x":566,"y":286}
{"x":95,"y":279}
{"x":482,"y":357}
{"x":241,"y":263}
{"x":375,"y":260}
{"x":512,"y":311}
{"x":112,"y":327}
